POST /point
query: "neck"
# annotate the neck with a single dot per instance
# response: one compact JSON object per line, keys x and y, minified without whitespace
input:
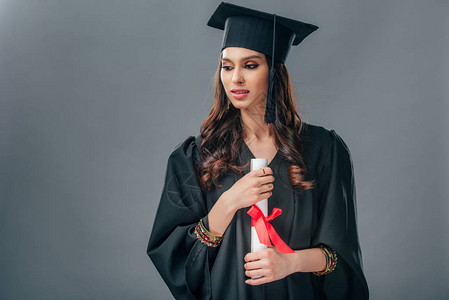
{"x":254,"y":126}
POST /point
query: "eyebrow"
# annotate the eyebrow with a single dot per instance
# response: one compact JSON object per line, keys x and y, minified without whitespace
{"x":243,"y":59}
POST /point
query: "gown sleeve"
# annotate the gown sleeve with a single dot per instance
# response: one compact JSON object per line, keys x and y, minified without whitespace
{"x":337,"y":225}
{"x":182,"y":260}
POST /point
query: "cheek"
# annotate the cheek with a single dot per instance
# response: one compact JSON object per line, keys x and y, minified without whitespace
{"x":263,"y":81}
{"x":224,"y":79}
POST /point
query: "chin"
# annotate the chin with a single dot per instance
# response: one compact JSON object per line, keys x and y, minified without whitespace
{"x":250,"y":106}
{"x":238,"y":105}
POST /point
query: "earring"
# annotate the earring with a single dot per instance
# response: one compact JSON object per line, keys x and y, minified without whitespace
{"x":227,"y":107}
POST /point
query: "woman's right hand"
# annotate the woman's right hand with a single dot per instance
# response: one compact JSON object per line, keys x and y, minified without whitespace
{"x":250,"y":189}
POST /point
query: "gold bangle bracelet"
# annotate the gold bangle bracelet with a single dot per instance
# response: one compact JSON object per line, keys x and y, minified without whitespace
{"x":205,"y":237}
{"x":209,"y":234}
{"x":331,"y":260}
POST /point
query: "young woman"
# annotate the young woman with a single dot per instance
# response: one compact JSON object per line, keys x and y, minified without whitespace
{"x":200,"y":241}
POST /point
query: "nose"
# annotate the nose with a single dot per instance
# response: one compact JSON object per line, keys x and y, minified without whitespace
{"x":237,"y":76}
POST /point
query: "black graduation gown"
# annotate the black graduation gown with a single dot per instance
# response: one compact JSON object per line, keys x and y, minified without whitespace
{"x":323,"y":215}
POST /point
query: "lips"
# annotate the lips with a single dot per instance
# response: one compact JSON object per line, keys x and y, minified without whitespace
{"x":239,"y":93}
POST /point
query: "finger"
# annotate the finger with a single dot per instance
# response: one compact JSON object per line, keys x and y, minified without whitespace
{"x":265,"y":179}
{"x":255,"y":273}
{"x":263,"y":172}
{"x":252,"y":256}
{"x":257,"y":281}
{"x":267,"y":171}
{"x":253,"y":265}
{"x":263,"y":196}
{"x":266,"y":188}
{"x":258,"y":255}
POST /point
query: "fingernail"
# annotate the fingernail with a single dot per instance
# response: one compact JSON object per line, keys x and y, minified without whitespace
{"x":247,"y":281}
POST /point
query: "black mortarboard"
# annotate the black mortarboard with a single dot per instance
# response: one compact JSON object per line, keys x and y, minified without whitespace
{"x":259,"y":31}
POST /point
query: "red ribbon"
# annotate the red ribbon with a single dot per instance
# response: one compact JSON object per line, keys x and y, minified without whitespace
{"x":265,"y":231}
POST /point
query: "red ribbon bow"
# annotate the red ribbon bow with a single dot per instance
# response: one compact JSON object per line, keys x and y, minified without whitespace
{"x":265,"y":231}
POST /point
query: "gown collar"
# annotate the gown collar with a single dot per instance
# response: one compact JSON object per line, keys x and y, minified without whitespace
{"x":247,"y":155}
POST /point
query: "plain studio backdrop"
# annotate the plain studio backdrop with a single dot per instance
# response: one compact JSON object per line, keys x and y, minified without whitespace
{"x":96,"y":93}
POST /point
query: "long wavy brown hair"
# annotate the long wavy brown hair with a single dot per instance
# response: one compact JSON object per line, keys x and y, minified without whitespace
{"x":222,"y":133}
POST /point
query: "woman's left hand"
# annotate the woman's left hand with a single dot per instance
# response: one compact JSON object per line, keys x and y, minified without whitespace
{"x":270,"y":264}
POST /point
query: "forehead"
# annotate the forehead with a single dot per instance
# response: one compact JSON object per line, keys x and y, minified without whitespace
{"x":238,"y":53}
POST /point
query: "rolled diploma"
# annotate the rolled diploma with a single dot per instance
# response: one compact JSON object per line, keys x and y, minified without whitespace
{"x":258,"y":163}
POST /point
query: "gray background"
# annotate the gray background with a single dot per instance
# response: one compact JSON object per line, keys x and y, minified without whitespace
{"x":95,"y":94}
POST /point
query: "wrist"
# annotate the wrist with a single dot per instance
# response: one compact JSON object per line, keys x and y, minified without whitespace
{"x":309,"y":260}
{"x":227,"y":204}
{"x":221,"y":215}
{"x":297,"y":262}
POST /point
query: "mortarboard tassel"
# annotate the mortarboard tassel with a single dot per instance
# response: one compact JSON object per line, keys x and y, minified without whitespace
{"x":270,"y":109}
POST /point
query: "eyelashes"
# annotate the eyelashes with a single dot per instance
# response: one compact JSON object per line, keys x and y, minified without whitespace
{"x":248,"y":66}
{"x":252,"y":66}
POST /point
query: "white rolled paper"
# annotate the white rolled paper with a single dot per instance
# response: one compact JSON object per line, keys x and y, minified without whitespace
{"x":258,"y":163}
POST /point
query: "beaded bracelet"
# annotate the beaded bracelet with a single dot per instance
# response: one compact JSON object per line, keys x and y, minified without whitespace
{"x":331,"y":260}
{"x":205,"y":237}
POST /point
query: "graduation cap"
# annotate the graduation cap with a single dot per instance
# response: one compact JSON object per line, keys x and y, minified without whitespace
{"x":262,"y":32}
